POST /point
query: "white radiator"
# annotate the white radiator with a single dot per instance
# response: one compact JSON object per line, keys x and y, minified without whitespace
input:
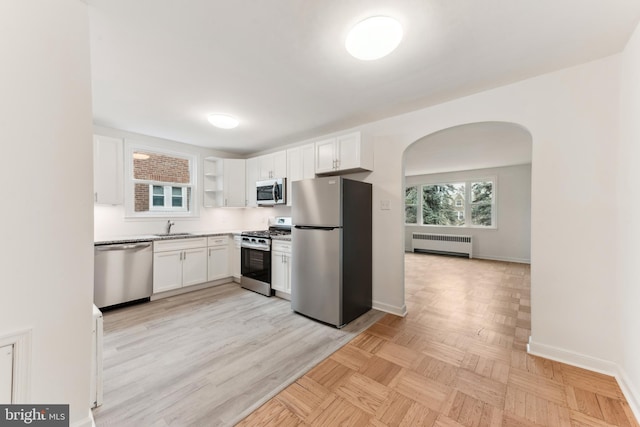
{"x":442,"y":243}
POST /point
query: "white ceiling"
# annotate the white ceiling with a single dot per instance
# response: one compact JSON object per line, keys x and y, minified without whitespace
{"x":160,"y":67}
{"x":468,"y":147}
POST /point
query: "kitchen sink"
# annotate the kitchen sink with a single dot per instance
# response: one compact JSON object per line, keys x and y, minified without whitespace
{"x":172,"y":234}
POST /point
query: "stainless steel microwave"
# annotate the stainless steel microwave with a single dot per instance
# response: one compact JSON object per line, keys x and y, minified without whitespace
{"x":271,"y":192}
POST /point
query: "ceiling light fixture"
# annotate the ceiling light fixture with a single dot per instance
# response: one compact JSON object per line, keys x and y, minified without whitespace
{"x":223,"y":121}
{"x":140,"y":156}
{"x":374,"y":38}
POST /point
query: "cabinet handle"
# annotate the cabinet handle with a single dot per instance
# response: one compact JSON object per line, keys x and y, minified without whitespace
{"x":225,"y":202}
{"x":95,"y":197}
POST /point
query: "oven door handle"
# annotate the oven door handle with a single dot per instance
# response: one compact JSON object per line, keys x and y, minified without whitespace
{"x":256,"y":247}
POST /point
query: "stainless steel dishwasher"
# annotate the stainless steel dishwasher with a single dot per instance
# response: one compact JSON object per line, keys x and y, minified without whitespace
{"x":123,"y":273}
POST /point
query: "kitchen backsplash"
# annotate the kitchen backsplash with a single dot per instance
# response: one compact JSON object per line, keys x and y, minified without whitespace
{"x":109,"y":221}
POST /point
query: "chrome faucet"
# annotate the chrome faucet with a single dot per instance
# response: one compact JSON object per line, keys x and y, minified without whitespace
{"x":169,"y":224}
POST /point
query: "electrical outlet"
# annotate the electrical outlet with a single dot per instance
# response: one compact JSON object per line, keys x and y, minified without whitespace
{"x":385,"y":205}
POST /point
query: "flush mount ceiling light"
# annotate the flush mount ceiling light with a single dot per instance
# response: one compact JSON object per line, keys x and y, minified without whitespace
{"x":223,"y":121}
{"x":140,"y":156}
{"x":374,"y":38}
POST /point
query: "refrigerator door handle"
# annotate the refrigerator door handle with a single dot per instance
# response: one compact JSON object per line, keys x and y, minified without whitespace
{"x":311,"y":227}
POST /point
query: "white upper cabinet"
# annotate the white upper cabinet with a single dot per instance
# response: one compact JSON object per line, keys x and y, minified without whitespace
{"x":253,"y":175}
{"x":234,"y":183}
{"x":108,"y":170}
{"x":300,"y":165}
{"x":224,"y":182}
{"x":273,"y":165}
{"x":349,"y":152}
{"x":325,"y":155}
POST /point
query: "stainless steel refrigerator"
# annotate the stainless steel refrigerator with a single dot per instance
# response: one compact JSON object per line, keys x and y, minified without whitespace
{"x":331,"y":249}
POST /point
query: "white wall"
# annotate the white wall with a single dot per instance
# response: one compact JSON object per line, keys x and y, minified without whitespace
{"x":572,"y":116}
{"x":628,"y":228}
{"x":46,"y":215}
{"x":511,"y":240}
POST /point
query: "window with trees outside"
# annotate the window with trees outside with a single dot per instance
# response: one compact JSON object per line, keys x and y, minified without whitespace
{"x":458,"y":204}
{"x":160,"y":183}
{"x":411,"y":205}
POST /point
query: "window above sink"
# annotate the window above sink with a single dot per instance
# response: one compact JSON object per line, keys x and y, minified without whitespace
{"x":159,"y":183}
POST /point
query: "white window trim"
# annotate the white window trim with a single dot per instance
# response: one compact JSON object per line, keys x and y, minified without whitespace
{"x":129,"y":183}
{"x":168,"y":198}
{"x":467,"y":206}
{"x":417,"y":205}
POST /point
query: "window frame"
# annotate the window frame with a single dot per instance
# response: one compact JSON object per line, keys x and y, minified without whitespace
{"x":130,"y":183}
{"x":167,"y":194}
{"x":417,"y":205}
{"x":467,"y":202}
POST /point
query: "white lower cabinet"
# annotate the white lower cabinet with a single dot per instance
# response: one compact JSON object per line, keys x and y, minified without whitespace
{"x":194,"y":266}
{"x":218,"y":258}
{"x":281,"y":266}
{"x":178,"y":263}
{"x":236,"y":255}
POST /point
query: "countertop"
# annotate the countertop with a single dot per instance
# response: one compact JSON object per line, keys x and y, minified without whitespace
{"x":154,"y":237}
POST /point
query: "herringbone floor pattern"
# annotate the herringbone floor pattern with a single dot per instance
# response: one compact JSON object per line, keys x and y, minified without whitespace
{"x":457,"y":359}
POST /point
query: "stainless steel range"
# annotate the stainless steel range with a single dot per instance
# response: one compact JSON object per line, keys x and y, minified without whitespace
{"x":255,"y":263}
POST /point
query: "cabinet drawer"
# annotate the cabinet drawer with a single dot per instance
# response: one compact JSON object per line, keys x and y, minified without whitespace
{"x":179,"y":244}
{"x":217,"y":240}
{"x":281,"y":246}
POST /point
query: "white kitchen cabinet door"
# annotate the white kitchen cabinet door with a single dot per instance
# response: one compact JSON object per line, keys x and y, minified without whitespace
{"x":278,"y":271}
{"x":287,"y":270}
{"x":253,"y":175}
{"x":265,"y":166}
{"x":194,"y":266}
{"x":236,"y":253}
{"x":108,"y":170}
{"x":281,"y":266}
{"x":280,"y":164}
{"x":235,"y":183}
{"x":273,"y":165}
{"x":308,"y":161}
{"x":300,"y":165}
{"x":6,"y":374}
{"x":348,"y":151}
{"x":294,"y":170}
{"x":167,"y":271}
{"x":325,"y":155}
{"x":218,"y":262}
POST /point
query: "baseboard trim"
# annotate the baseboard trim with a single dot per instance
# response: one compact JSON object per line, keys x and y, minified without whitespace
{"x":85,"y":422}
{"x":490,"y":258}
{"x":505,"y":259}
{"x":572,"y":358}
{"x":191,"y":288}
{"x":590,"y":363}
{"x":392,"y":309}
{"x":629,"y":391}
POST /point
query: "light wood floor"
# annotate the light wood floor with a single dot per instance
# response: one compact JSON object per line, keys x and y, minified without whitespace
{"x":207,"y":358}
{"x":458,"y":358}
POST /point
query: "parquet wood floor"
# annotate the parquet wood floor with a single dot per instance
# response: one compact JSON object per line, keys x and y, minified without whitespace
{"x":457,"y":359}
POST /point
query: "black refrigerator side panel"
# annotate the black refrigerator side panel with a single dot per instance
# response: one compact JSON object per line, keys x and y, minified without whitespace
{"x":357,"y":249}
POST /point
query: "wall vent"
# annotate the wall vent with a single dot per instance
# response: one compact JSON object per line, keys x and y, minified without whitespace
{"x":442,"y":243}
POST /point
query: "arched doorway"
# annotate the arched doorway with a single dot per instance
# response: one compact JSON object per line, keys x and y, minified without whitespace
{"x":473,"y":180}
